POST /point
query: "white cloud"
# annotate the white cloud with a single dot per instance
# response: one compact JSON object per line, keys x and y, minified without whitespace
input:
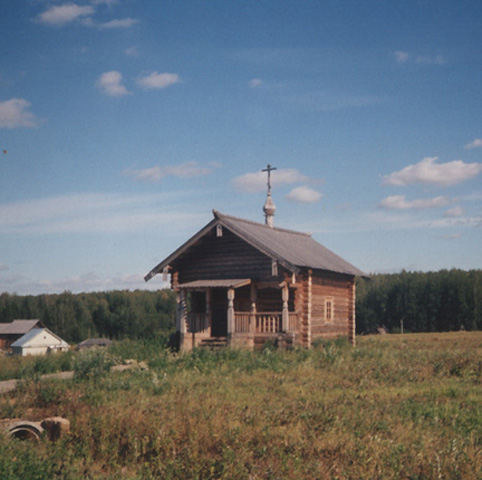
{"x":119,"y":23}
{"x":88,"y":213}
{"x":304,"y":194}
{"x":131,"y":52}
{"x":62,"y":14}
{"x":110,"y":83}
{"x":436,"y":60}
{"x":399,"y":202}
{"x":255,"y":82}
{"x":452,"y":236}
{"x":473,"y":197}
{"x":450,"y":222}
{"x":454,"y":212}
{"x":14,"y":113}
{"x":158,"y":172}
{"x":477,"y":143}
{"x":404,"y":57}
{"x":401,"y":57}
{"x":429,"y":172}
{"x":105,"y":2}
{"x":86,"y":282}
{"x":257,"y":181}
{"x":158,"y":80}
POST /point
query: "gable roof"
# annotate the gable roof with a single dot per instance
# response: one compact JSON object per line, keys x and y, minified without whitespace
{"x":19,"y":327}
{"x":36,"y":332}
{"x":294,"y":250}
{"x":95,"y":342}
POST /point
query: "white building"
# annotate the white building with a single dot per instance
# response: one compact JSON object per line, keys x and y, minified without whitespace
{"x":39,"y":341}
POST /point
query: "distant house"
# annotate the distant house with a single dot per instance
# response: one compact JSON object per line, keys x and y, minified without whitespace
{"x":241,"y":283}
{"x":94,"y":342}
{"x":10,"y":332}
{"x":39,"y":341}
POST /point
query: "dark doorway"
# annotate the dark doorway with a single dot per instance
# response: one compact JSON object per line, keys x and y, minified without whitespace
{"x":219,"y":310}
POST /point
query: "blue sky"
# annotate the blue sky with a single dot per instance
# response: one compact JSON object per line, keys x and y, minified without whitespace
{"x":124,"y":123}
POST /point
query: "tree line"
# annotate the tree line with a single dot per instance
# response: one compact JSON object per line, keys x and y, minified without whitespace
{"x":115,"y":314}
{"x":447,"y":300}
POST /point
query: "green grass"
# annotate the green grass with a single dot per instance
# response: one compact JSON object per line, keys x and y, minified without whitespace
{"x":394,"y":407}
{"x":15,"y":366}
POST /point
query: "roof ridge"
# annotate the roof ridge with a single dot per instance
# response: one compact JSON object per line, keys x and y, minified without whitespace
{"x":220,"y":216}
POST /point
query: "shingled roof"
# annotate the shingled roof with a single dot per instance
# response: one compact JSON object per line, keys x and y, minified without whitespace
{"x":294,"y":250}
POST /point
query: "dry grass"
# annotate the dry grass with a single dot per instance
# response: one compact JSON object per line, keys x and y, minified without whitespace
{"x":394,"y":407}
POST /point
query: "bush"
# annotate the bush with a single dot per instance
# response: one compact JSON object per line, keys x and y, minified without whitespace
{"x":93,"y":363}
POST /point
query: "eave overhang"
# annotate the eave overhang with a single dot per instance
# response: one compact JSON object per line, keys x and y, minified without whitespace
{"x":221,"y":283}
{"x":218,"y":220}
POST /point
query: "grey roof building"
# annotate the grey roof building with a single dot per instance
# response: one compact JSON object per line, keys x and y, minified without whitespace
{"x":243,"y":283}
{"x":39,"y":341}
{"x":10,"y":332}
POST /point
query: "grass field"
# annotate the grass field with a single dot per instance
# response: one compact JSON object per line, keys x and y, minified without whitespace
{"x":394,"y":407}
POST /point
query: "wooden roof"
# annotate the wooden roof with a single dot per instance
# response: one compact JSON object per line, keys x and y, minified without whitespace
{"x":294,"y":250}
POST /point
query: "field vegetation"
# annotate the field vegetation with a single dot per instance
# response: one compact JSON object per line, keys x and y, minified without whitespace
{"x":394,"y":407}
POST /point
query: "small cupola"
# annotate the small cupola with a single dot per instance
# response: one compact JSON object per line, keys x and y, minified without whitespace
{"x":269,"y":207}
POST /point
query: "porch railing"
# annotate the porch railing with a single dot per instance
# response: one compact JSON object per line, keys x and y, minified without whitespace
{"x":242,"y":322}
{"x":264,"y":322}
{"x":268,"y":322}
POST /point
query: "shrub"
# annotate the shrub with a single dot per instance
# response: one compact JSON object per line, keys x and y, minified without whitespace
{"x":93,"y":363}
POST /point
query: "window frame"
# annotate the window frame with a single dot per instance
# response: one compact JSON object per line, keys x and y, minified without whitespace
{"x":329,"y":309}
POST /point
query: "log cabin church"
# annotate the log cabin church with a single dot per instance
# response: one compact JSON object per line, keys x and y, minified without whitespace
{"x":241,"y":284}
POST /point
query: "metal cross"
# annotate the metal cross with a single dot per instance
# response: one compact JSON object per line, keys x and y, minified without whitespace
{"x":268,"y":169}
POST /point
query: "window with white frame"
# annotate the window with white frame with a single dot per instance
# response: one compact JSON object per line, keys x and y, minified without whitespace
{"x":329,"y":309}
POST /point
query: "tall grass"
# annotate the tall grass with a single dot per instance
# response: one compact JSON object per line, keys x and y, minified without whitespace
{"x":15,"y":366}
{"x":394,"y":407}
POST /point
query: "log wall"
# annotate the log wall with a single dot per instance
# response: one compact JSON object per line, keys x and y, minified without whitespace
{"x":227,"y":256}
{"x":338,"y":291}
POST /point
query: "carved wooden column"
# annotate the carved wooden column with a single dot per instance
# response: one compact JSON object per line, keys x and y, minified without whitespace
{"x":285,"y":295}
{"x":208,"y":310}
{"x":230,"y":313}
{"x":252,"y":313}
{"x":181,"y":317}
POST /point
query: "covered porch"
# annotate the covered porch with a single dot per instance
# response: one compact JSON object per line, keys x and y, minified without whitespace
{"x":238,"y":312}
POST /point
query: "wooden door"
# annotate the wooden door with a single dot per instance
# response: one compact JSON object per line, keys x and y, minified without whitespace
{"x":219,"y":311}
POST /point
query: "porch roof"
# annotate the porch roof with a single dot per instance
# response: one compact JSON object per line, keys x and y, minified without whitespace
{"x":219,"y":283}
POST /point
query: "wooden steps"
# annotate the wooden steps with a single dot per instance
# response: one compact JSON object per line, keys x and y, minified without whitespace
{"x":214,"y":342}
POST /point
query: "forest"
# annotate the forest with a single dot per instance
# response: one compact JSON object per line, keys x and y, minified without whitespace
{"x":114,"y":314}
{"x":447,"y":300}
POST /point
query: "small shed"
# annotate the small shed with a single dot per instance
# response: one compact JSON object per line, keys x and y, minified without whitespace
{"x":39,"y":341}
{"x":94,"y":342}
{"x":11,"y":332}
